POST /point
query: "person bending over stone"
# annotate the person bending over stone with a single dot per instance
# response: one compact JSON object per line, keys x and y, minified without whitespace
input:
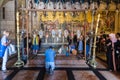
{"x":49,"y":60}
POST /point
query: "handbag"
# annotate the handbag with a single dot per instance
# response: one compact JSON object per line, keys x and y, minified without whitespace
{"x":117,"y":52}
{"x":11,"y":49}
{"x":2,"y":50}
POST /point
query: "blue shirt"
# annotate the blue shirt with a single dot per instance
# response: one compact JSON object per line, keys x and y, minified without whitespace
{"x":4,"y":40}
{"x":72,"y":47}
{"x":3,"y":47}
{"x":64,"y":50}
{"x":49,"y":55}
{"x":80,"y":46}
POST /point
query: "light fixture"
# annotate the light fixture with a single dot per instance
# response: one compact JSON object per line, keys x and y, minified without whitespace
{"x":54,"y":13}
{"x":117,"y":11}
{"x":112,"y":6}
{"x":103,"y":6}
{"x":64,"y":14}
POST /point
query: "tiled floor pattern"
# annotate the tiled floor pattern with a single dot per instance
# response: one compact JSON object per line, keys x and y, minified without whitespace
{"x":58,"y":75}
{"x":67,"y":68}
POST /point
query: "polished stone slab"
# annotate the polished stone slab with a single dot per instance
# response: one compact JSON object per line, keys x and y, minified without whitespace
{"x":60,"y":61}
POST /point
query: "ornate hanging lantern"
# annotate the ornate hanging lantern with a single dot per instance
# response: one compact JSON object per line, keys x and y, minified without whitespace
{"x":68,"y":5}
{"x":102,"y":6}
{"x":112,"y":6}
{"x":77,"y":5}
{"x":50,"y":5}
{"x":94,"y":6}
{"x":84,"y":6}
{"x":41,"y":5}
{"x":59,"y":5}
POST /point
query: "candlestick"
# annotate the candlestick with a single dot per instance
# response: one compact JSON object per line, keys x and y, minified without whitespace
{"x":19,"y":62}
{"x":93,"y":61}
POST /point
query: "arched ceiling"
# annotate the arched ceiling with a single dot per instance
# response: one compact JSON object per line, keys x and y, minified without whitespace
{"x":2,"y":2}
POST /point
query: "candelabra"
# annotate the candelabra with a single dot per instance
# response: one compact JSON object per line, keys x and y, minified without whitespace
{"x":93,"y":62}
{"x":19,"y":62}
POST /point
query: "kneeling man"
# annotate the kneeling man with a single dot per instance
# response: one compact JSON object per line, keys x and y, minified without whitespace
{"x":49,"y":60}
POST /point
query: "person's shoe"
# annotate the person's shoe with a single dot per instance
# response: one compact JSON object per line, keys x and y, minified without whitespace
{"x":47,"y":72}
{"x":51,"y":72}
{"x":5,"y":71}
{"x":110,"y":70}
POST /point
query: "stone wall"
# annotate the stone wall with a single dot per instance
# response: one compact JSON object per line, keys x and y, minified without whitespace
{"x":9,"y":22}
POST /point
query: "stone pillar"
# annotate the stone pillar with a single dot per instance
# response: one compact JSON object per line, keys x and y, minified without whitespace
{"x":0,"y":20}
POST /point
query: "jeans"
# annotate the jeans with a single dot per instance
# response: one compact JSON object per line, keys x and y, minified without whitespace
{"x":50,"y":66}
{"x":5,"y":58}
{"x":67,"y":54}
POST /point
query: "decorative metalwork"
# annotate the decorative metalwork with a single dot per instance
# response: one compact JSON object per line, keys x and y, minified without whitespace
{"x":93,"y":62}
{"x":19,"y":62}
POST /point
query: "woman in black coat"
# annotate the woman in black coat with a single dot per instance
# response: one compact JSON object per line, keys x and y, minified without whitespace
{"x":117,"y":51}
{"x":108,"y":43}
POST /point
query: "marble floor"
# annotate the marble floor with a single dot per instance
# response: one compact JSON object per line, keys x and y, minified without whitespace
{"x":67,"y":68}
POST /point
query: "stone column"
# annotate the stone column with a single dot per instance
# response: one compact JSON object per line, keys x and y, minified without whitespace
{"x":0,"y":21}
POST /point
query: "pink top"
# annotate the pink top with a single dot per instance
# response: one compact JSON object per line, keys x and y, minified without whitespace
{"x":112,"y":37}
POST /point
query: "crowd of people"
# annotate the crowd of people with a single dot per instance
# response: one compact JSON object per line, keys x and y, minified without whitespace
{"x":109,"y":43}
{"x":105,"y":43}
{"x":34,"y":42}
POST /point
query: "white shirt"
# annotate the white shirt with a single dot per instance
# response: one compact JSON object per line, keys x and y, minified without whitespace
{"x":41,"y":33}
{"x":78,"y":33}
{"x":4,"y":40}
{"x":65,"y":33}
{"x":59,"y":33}
{"x":53,"y":33}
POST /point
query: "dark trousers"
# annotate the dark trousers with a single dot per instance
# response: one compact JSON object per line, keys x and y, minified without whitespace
{"x":117,"y":61}
{"x":109,"y":59}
